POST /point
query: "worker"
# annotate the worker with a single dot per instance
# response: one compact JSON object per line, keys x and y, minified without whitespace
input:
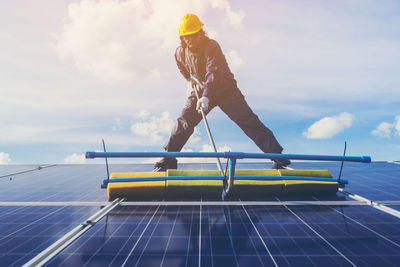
{"x":201,"y":57}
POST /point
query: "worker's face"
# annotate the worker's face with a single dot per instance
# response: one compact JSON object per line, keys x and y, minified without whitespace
{"x":192,"y":41}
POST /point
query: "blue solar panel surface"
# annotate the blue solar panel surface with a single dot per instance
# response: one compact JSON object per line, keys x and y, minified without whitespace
{"x":186,"y":235}
{"x":27,"y":230}
{"x":238,"y":235}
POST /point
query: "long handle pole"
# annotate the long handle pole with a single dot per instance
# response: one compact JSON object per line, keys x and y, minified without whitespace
{"x":207,"y":126}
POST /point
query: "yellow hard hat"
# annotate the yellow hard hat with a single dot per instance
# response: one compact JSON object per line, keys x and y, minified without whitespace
{"x":190,"y":24}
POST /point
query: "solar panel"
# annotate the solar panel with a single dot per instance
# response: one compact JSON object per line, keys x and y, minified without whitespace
{"x":238,"y":235}
{"x":38,"y":207}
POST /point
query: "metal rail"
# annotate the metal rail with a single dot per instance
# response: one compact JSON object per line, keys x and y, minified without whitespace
{"x":228,"y":155}
{"x":374,"y":204}
{"x":47,"y":254}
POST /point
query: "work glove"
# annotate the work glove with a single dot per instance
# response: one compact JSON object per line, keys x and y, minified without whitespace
{"x":202,"y":103}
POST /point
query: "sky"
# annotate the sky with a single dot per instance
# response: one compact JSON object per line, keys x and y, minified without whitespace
{"x":317,"y":73}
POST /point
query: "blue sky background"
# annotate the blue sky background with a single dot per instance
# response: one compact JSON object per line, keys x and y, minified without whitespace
{"x":317,"y":73}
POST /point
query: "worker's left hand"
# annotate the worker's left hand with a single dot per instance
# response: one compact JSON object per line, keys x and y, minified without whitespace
{"x":202,"y":103}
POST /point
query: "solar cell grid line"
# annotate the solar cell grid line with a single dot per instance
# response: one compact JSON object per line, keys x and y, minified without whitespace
{"x":29,"y":237}
{"x":65,"y":183}
{"x":209,"y":236}
{"x":137,"y":241}
{"x":290,"y":237}
{"x":229,"y":229}
{"x":30,"y":224}
{"x":30,"y":241}
{"x":217,"y":249}
{"x":220,"y":246}
{"x":130,"y":236}
{"x":369,"y":229}
{"x":54,"y":249}
{"x":151,"y":235}
{"x":21,"y":204}
{"x":363,"y":181}
{"x":293,"y":239}
{"x":11,"y":212}
{"x":200,"y":236}
{"x":111,"y":236}
{"x":254,"y":246}
{"x":251,"y":240}
{"x":359,"y":244}
{"x":190,"y":236}
{"x":376,"y":190}
{"x":258,"y":233}
{"x":170,"y":235}
{"x":267,"y":230}
{"x":320,"y":236}
{"x":41,"y":185}
{"x":373,"y":204}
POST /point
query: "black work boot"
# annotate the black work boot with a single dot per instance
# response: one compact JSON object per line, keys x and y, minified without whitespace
{"x":164,"y":164}
{"x":281,"y":163}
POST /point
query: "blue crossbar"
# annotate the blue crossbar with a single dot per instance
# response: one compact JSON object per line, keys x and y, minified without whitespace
{"x":228,"y":155}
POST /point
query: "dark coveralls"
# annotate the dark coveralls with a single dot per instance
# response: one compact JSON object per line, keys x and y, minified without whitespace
{"x":209,"y":66}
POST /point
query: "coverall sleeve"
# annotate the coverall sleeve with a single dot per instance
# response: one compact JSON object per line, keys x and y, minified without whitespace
{"x":179,"y":54}
{"x":215,"y":64}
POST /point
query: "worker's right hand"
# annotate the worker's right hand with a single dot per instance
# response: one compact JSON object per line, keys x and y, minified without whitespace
{"x":203,"y":103}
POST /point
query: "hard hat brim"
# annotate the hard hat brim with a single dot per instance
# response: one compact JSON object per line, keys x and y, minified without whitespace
{"x":189,"y":33}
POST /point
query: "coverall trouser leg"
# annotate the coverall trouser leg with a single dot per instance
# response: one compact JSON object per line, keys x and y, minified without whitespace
{"x":235,"y":106}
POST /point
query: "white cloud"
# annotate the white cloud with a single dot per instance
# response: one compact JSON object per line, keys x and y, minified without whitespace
{"x":397,"y":124}
{"x":234,"y":60}
{"x":155,"y":127}
{"x":4,"y":158}
{"x":114,"y":39}
{"x":209,"y":148}
{"x":91,"y":38}
{"x":75,"y":158}
{"x":195,"y":137}
{"x":142,"y":114}
{"x":234,"y":18}
{"x":204,"y":148}
{"x":385,"y":129}
{"x":327,"y":127}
